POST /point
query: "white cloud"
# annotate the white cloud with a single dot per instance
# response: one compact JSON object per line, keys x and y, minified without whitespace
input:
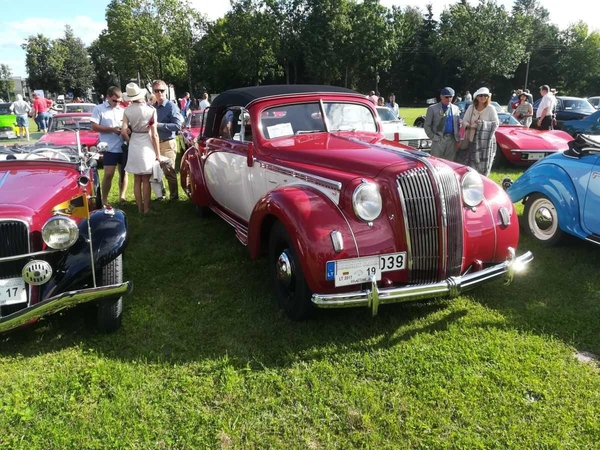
{"x":212,"y":8}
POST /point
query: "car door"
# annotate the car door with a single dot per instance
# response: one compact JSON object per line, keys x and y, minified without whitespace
{"x":226,"y":170}
{"x":591,"y":218}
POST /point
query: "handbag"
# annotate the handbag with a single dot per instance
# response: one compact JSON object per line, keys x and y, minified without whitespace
{"x":464,"y":143}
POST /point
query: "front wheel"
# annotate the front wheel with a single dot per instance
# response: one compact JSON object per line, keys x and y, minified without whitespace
{"x":110,"y":310}
{"x":541,"y":220}
{"x":291,"y":290}
{"x":419,"y":122}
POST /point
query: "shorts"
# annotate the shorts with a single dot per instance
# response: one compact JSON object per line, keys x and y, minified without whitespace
{"x":23,"y":121}
{"x":112,"y":159}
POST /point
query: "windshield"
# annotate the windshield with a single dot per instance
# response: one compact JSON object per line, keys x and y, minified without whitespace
{"x":5,"y":108}
{"x":578,"y":105}
{"x":507,"y":119}
{"x":70,"y":123}
{"x":37,"y":152}
{"x":80,"y":107}
{"x":195,"y":120}
{"x":289,"y":120}
{"x":386,"y":114}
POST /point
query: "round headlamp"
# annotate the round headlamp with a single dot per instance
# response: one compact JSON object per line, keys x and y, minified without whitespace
{"x":60,"y":232}
{"x":425,"y":143}
{"x":366,"y":202}
{"x":472,"y":188}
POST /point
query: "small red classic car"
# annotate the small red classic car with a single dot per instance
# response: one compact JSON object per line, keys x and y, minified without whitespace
{"x":62,"y":127}
{"x":191,"y":127}
{"x":58,"y":246}
{"x":304,"y":174}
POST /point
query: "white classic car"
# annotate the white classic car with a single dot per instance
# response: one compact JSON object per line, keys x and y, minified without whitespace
{"x":395,"y":129}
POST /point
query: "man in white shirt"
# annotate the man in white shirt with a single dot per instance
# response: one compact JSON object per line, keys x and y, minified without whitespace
{"x":204,"y":103}
{"x":21,"y":109}
{"x":545,"y":108}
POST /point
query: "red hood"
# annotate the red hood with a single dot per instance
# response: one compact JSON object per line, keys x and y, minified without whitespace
{"x":529,"y":139}
{"x":87,"y":138}
{"x":29,"y":190}
{"x":351,"y":153}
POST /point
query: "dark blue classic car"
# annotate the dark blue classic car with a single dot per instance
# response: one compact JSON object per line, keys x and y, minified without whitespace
{"x":567,"y":108}
{"x":589,"y":125}
{"x":562,"y":194}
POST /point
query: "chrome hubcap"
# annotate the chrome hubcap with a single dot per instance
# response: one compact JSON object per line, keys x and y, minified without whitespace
{"x":284,"y":269}
{"x":543,"y":218}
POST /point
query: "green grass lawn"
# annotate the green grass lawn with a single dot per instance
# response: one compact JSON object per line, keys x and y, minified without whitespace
{"x":206,"y":360}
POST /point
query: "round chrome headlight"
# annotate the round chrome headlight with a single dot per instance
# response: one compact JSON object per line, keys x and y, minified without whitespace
{"x":60,"y":232}
{"x":425,"y":143}
{"x":472,"y":188}
{"x":366,"y":202}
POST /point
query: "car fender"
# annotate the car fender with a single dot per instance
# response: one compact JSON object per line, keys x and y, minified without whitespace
{"x":73,"y":268}
{"x":309,"y":217}
{"x":192,"y":178}
{"x":555,"y":183}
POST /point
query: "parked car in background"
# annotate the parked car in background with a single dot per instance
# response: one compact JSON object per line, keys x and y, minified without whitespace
{"x":192,"y":127}
{"x":8,"y":122}
{"x":347,"y":218}
{"x":589,"y":125}
{"x":63,"y":127}
{"x":562,"y":194}
{"x":594,"y":101}
{"x":58,"y":246}
{"x":462,"y":105}
{"x":567,"y":108}
{"x":394,"y":128}
{"x":522,"y":146}
{"x":79,"y":107}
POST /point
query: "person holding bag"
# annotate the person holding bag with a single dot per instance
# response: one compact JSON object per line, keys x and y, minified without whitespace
{"x":480,"y":123}
{"x":143,"y":143}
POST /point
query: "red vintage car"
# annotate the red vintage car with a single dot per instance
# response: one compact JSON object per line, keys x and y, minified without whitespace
{"x":347,"y":218}
{"x":62,"y":131}
{"x":192,"y":127}
{"x":58,"y":246}
{"x":523,"y":146}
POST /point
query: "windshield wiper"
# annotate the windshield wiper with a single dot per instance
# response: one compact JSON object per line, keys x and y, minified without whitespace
{"x":308,"y":131}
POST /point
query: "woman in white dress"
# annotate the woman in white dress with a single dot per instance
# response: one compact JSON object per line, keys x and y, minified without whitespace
{"x":143,"y":143}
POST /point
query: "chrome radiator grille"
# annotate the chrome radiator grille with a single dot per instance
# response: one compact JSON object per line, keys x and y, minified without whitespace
{"x":14,"y":240}
{"x":432,"y":208}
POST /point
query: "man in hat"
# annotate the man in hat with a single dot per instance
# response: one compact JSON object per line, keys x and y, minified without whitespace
{"x":442,"y":126}
{"x":545,"y":109}
{"x":169,"y":122}
{"x":107,"y":119}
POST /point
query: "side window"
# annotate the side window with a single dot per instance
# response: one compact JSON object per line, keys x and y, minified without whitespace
{"x":559,"y":105}
{"x":246,"y":126}
{"x":230,"y":124}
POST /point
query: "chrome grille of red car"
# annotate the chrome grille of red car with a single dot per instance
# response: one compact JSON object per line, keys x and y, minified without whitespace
{"x":14,"y":240}
{"x":432,"y":211}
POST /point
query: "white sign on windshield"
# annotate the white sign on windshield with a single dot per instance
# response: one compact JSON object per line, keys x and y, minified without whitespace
{"x":281,"y":129}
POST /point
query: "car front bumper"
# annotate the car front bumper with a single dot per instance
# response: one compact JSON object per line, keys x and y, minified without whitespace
{"x":451,"y":287}
{"x":62,"y":301}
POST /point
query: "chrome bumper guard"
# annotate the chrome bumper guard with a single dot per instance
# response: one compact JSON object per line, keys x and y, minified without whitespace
{"x":451,"y":287}
{"x":62,"y":301}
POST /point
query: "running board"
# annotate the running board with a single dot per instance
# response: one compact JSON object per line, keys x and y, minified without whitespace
{"x":593,"y":238}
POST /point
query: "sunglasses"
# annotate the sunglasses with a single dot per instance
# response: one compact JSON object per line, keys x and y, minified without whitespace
{"x":483,"y":95}
{"x":156,"y":91}
{"x":118,"y":99}
{"x":448,"y":96}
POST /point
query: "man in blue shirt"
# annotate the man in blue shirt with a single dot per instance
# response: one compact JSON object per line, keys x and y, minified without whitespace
{"x":107,"y":119}
{"x":169,"y":122}
{"x":442,"y":126}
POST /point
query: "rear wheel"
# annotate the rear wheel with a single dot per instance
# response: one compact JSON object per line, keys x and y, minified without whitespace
{"x":110,"y":310}
{"x":499,"y":159}
{"x":291,"y":290}
{"x":541,"y":220}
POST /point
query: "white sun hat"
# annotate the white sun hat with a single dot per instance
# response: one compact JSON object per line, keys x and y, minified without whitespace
{"x":133,"y":92}
{"x":482,"y":91}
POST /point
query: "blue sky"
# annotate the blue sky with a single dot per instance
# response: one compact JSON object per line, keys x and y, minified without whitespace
{"x":49,"y":17}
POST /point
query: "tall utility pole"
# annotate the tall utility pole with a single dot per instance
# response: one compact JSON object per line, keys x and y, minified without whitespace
{"x":527,"y":72}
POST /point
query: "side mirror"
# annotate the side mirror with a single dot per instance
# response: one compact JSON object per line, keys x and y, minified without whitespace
{"x":250,"y":154}
{"x":102,"y":147}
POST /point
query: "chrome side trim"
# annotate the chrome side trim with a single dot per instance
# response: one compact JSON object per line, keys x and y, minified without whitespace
{"x":28,"y":255}
{"x":450,"y":287}
{"x":324,"y":182}
{"x":549,"y":150}
{"x":60,"y":302}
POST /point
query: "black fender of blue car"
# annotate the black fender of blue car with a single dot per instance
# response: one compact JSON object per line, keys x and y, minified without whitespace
{"x":73,"y":268}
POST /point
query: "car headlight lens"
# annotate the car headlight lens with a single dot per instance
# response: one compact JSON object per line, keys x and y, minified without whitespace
{"x":60,"y":232}
{"x":366,"y":202}
{"x":472,"y":188}
{"x":425,"y":143}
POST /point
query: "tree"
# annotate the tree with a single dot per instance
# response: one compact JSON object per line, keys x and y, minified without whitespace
{"x":581,"y":48}
{"x":69,"y":58}
{"x":7,"y":86}
{"x":40,"y":73}
{"x":484,"y":41}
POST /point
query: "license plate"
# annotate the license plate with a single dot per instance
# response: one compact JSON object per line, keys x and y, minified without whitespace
{"x":360,"y":270}
{"x":535,"y":156}
{"x":12,"y":291}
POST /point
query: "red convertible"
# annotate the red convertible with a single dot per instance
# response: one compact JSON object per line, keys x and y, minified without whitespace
{"x":63,"y":127}
{"x":523,"y":146}
{"x":191,"y":127}
{"x":58,"y":246}
{"x":347,"y":218}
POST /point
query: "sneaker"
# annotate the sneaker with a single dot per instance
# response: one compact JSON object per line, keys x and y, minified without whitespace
{"x":158,"y":199}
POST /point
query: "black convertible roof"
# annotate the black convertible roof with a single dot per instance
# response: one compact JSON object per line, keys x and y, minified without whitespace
{"x":246,"y":95}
